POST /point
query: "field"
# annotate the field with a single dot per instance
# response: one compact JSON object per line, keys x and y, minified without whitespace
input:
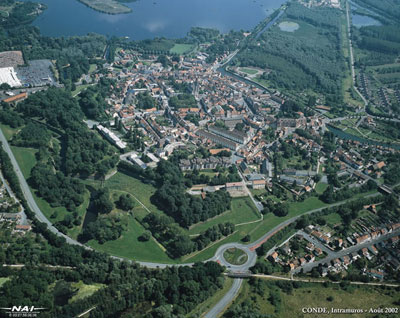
{"x":235,"y":256}
{"x":332,"y":219}
{"x":128,"y":245}
{"x":8,"y":131}
{"x":142,"y":192}
{"x":321,"y":187}
{"x":181,"y":48}
{"x":242,"y":210}
{"x":84,"y":290}
{"x":258,"y":229}
{"x":249,"y":71}
{"x":315,"y":295}
{"x":26,"y":159}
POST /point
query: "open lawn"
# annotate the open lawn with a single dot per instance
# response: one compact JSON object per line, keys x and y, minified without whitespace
{"x":315,"y":295}
{"x":332,"y":219}
{"x":130,"y":247}
{"x":205,"y":306}
{"x":321,"y":187}
{"x":8,"y":131}
{"x":26,"y":159}
{"x":61,"y":212}
{"x":249,"y":71}
{"x":139,"y":190}
{"x":84,"y":290}
{"x":181,"y":48}
{"x":242,"y":210}
{"x":235,"y":256}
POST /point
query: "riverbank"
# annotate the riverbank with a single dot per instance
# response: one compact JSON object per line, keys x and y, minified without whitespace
{"x":347,"y":136}
{"x":106,"y":6}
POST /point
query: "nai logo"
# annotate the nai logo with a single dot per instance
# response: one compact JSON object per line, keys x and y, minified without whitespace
{"x":23,"y":311}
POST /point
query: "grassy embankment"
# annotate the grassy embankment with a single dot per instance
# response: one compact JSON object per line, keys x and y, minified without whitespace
{"x":84,"y":290}
{"x":181,"y":48}
{"x":205,"y":306}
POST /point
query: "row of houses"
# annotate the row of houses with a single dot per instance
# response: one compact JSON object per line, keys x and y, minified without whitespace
{"x":204,"y":163}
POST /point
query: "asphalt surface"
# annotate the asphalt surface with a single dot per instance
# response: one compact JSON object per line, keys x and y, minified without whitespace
{"x":28,"y":195}
{"x":333,"y":255}
{"x":277,"y":228}
{"x":226,"y":300}
{"x":218,"y":257}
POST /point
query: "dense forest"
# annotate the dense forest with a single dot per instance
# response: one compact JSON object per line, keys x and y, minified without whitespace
{"x":128,"y":290}
{"x":312,"y":59}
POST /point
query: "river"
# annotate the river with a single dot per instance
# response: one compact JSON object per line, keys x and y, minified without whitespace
{"x":346,"y":136}
{"x":153,"y":18}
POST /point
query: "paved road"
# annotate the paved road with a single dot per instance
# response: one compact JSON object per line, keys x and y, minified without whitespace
{"x":316,"y":242}
{"x":28,"y":195}
{"x":258,"y":204}
{"x":226,"y":300}
{"x":333,"y":255}
{"x":249,"y":249}
{"x":279,"y":227}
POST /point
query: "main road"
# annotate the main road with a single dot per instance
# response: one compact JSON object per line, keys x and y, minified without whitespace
{"x":218,"y":257}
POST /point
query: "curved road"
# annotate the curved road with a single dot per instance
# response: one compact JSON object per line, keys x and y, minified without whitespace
{"x":218,"y":257}
{"x":226,"y":300}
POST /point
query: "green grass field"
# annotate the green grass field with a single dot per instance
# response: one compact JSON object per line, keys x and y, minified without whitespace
{"x":48,"y":211}
{"x":332,"y":219}
{"x":84,"y":290}
{"x":128,"y":245}
{"x":205,"y":306}
{"x":321,"y":187}
{"x":8,"y":131}
{"x":235,"y":256}
{"x":181,"y":48}
{"x":249,"y":71}
{"x":242,"y":210}
{"x":26,"y":159}
{"x":135,"y":187}
{"x":315,"y":295}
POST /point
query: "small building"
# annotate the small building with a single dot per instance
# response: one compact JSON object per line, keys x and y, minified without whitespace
{"x":258,"y":184}
{"x":238,"y":186}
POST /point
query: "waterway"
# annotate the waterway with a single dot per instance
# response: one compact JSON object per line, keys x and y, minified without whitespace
{"x":359,"y":20}
{"x":344,"y":135}
{"x":153,"y":18}
{"x":363,"y":20}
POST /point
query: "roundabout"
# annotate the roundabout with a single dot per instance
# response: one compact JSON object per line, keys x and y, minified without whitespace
{"x":235,"y":257}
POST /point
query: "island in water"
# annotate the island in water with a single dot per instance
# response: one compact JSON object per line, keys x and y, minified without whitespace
{"x":108,"y":6}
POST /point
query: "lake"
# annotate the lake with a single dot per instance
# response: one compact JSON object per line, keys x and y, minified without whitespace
{"x":363,"y":20}
{"x":154,"y":18}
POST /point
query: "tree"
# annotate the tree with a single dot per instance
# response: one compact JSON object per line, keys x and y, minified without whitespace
{"x":125,"y":202}
{"x":102,"y":201}
{"x":145,"y":236}
{"x":281,"y":209}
